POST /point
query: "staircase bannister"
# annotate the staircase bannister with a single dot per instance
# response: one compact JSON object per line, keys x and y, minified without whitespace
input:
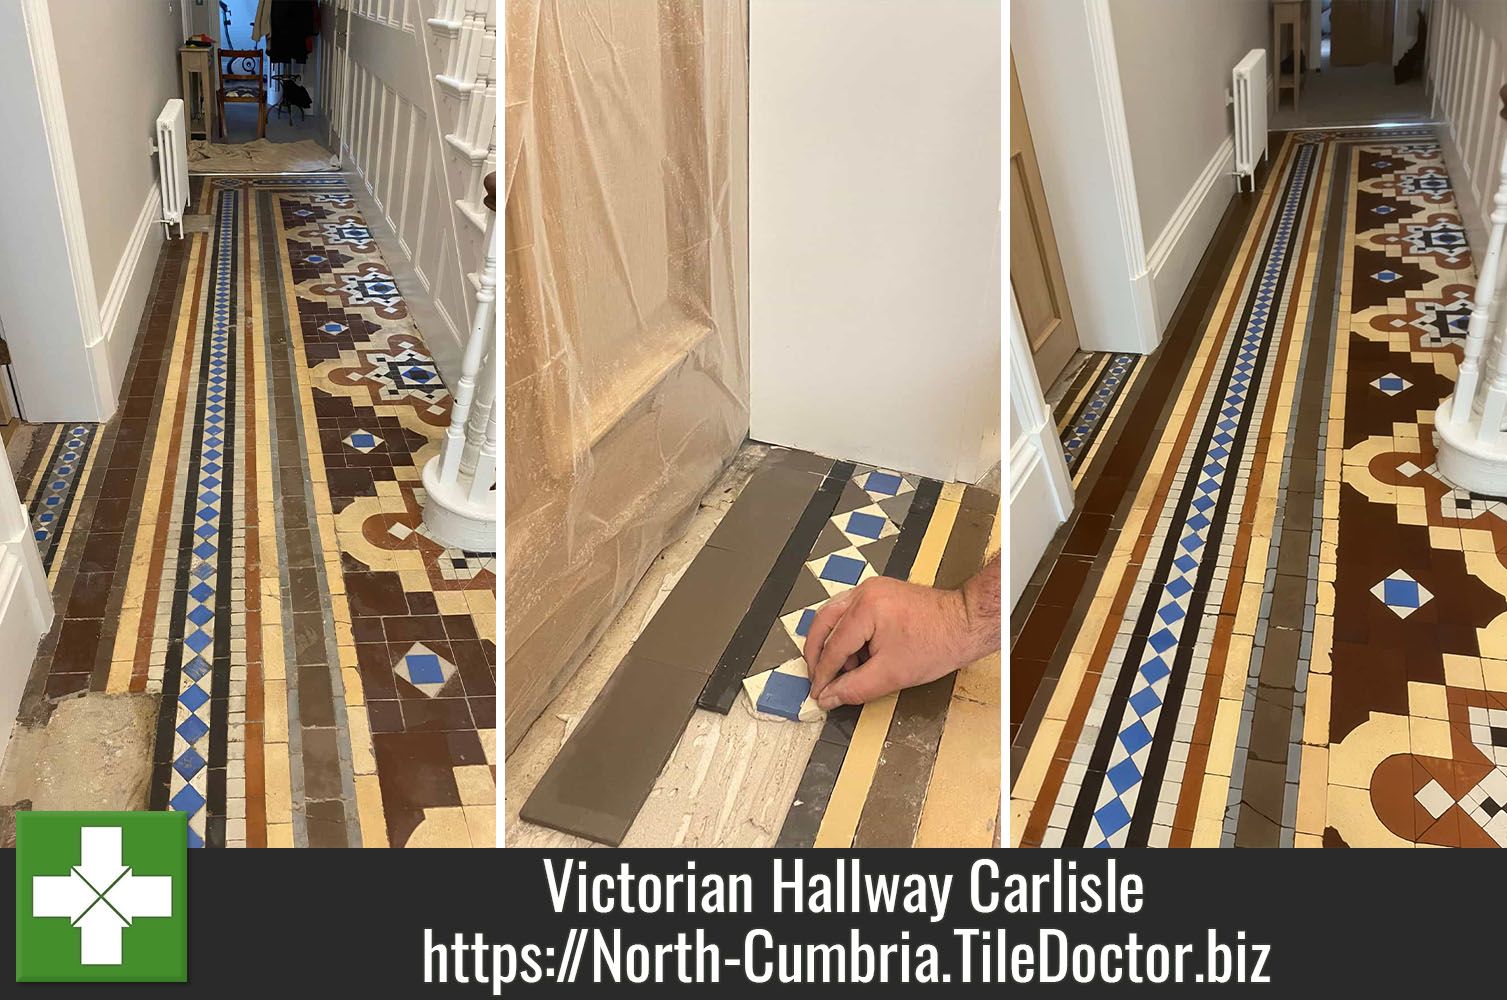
{"x":1472,"y":420}
{"x":460,"y":480}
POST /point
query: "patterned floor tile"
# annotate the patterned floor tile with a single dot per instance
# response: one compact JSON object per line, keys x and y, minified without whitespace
{"x":1299,"y":641}
{"x":250,"y":544}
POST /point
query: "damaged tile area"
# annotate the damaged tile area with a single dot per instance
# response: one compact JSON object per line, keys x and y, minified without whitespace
{"x":246,"y":546}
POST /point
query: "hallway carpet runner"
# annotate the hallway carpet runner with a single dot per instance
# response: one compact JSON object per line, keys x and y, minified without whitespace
{"x":1295,"y":633}
{"x":248,"y":542}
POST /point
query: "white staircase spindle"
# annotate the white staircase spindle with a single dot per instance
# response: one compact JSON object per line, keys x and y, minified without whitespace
{"x":1469,"y":379}
{"x":476,"y":349}
{"x":484,"y":478}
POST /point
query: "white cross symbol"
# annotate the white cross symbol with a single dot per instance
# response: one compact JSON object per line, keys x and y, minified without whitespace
{"x":101,"y":896}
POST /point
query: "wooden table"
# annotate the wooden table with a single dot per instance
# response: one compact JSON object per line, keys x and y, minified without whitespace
{"x":1292,"y":14}
{"x":198,"y":65}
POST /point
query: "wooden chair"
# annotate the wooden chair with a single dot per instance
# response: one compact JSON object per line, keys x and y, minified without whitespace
{"x":248,"y":86}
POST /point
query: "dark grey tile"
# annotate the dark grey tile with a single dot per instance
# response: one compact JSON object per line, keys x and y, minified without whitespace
{"x":601,"y":777}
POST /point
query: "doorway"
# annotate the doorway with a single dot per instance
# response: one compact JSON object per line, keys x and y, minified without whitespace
{"x":261,"y":25}
{"x":1363,"y":65}
{"x":1035,"y":266}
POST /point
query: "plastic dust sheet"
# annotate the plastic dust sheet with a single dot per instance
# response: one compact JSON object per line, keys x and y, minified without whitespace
{"x":626,"y":189}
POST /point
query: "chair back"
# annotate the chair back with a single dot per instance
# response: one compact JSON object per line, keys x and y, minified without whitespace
{"x":241,"y":64}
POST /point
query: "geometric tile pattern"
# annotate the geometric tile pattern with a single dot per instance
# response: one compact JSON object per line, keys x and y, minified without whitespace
{"x":1394,"y":674}
{"x":200,"y":638}
{"x":244,"y":542}
{"x":1107,"y":802}
{"x":858,"y":535}
{"x":424,"y":669}
{"x":1080,"y":431}
{"x":58,"y":484}
{"x":1401,"y":593}
{"x":1391,"y":384}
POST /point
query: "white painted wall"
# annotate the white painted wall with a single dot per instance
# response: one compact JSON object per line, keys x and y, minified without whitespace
{"x":47,"y":319}
{"x":1175,"y":58}
{"x":1126,"y":100}
{"x":874,"y":245}
{"x":133,"y":46}
{"x":1064,"y":60}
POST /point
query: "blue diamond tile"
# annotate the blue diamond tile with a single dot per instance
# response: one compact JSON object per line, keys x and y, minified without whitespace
{"x":1155,"y":669}
{"x":193,"y":697}
{"x":1400,"y":594}
{"x":1161,"y":640}
{"x":842,"y":569}
{"x":197,"y":641}
{"x":1112,"y":816}
{"x":424,"y":668}
{"x":1145,"y":701}
{"x":1135,"y":736}
{"x":188,"y":800}
{"x":192,"y":729}
{"x":196,"y":668}
{"x":200,"y":615}
{"x":783,"y":694}
{"x":1123,"y":775}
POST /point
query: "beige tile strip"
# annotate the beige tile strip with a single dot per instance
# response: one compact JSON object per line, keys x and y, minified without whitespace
{"x":840,"y":821}
{"x":165,"y":444}
{"x":963,"y":799}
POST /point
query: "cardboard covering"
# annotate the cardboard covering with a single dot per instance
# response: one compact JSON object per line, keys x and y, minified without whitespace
{"x":626,"y":306}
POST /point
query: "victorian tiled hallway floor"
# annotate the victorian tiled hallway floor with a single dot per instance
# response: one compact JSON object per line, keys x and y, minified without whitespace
{"x":244,"y":538}
{"x":1270,"y":622}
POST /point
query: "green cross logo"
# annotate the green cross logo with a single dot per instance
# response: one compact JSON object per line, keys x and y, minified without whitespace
{"x":101,"y":897}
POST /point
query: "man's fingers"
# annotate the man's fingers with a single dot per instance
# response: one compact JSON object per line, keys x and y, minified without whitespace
{"x":860,"y":685}
{"x":843,"y":643}
{"x":816,"y":634}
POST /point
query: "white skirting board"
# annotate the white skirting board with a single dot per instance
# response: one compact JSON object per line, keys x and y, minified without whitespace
{"x":1174,"y":256}
{"x":120,"y":310}
{"x":1035,"y":511}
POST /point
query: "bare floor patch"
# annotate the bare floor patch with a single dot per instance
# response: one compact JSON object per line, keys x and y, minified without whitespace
{"x":93,"y":752}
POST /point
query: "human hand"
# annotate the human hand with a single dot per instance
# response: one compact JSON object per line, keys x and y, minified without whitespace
{"x":914,"y":634}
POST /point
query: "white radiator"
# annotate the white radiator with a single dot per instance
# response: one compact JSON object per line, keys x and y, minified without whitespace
{"x":1248,"y":94}
{"x":172,"y":163}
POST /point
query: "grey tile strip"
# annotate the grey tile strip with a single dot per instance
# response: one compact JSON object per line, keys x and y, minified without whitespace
{"x":1261,"y":808}
{"x":599,"y":780}
{"x":319,"y":746}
